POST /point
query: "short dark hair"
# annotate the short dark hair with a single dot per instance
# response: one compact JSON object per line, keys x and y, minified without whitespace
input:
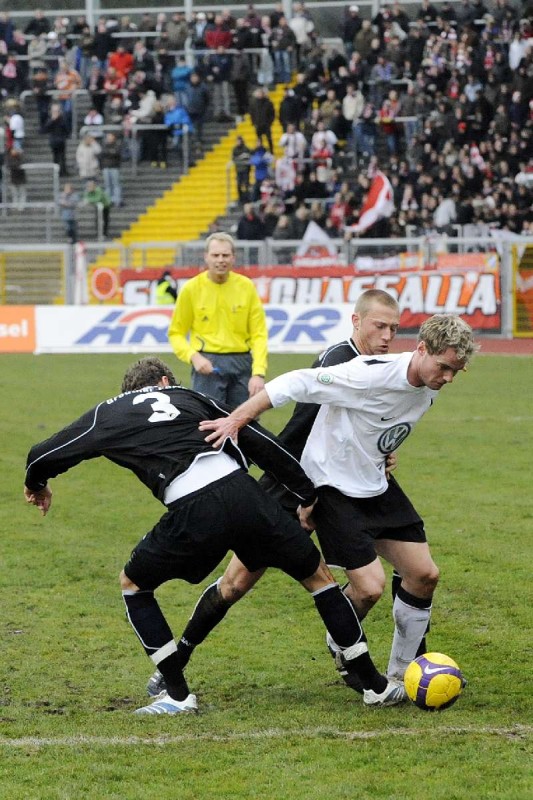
{"x":147,"y":372}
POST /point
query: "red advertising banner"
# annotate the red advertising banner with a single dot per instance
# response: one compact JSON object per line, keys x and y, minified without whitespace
{"x":466,"y":284}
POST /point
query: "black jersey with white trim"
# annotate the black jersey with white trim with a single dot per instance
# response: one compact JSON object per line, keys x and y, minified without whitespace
{"x":154,"y":433}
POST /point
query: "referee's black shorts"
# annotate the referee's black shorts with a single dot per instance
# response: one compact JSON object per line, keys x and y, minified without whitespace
{"x":347,"y":527}
{"x":197,"y":531}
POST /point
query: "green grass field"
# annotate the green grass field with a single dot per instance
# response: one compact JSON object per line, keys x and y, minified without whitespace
{"x":275,"y":722}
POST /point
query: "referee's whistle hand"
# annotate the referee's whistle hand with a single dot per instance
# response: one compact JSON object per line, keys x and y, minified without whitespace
{"x":202,"y":364}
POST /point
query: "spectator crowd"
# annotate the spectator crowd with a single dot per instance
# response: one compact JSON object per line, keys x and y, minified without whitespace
{"x":440,"y":101}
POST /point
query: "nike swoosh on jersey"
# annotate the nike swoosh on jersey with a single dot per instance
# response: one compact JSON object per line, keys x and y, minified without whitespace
{"x":386,"y":419}
{"x":432,"y":670}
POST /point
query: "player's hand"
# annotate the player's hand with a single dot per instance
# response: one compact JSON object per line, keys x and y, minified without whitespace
{"x":304,"y":515}
{"x":42,"y":499}
{"x":222,"y":428}
{"x":255,"y":384}
{"x":202,"y":364}
{"x":390,"y":464}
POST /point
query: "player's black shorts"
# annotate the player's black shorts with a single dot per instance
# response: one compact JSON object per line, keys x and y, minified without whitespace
{"x":197,"y":531}
{"x":347,"y":527}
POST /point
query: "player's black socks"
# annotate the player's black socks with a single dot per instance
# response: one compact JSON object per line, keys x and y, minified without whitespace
{"x":175,"y":682}
{"x":147,"y":620}
{"x":339,"y":617}
{"x":210,"y":609}
{"x":396,"y":582}
{"x":151,"y":627}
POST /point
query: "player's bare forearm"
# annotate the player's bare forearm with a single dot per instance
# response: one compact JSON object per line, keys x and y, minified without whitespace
{"x":41,"y":498}
{"x":229,"y":427}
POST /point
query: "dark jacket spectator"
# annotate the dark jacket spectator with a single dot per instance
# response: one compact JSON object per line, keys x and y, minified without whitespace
{"x":290,"y":109}
{"x":241,"y":159}
{"x":263,"y":114}
{"x":197,"y":101}
{"x":58,"y":132}
{"x":37,"y":25}
{"x":103,"y":42}
{"x":240,"y":76}
{"x":178,"y":31}
{"x":251,"y":226}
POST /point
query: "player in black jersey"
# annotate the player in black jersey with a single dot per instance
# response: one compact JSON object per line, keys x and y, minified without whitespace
{"x":374,"y":324}
{"x":213,"y":506}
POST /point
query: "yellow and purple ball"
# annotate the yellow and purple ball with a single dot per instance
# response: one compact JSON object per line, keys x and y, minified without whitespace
{"x":433,"y":681}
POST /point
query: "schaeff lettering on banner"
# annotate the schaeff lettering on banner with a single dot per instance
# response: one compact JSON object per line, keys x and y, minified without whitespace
{"x":419,"y":293}
{"x":467,"y":284}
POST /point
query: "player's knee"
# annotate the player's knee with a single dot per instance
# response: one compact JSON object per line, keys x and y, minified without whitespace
{"x":426,"y":580}
{"x":369,"y":591}
{"x":234,"y":587}
{"x":125,"y":584}
{"x":431,"y":577}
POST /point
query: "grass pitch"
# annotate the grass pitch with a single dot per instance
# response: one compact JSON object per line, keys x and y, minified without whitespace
{"x":275,"y":722}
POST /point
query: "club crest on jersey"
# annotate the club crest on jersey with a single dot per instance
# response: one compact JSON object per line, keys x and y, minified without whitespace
{"x":325,"y":378}
{"x":393,"y":437}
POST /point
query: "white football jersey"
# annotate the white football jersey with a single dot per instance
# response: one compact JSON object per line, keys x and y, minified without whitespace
{"x":368,"y":408}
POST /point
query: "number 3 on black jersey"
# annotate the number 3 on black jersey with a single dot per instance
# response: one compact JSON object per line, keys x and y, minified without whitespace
{"x":163,"y":409}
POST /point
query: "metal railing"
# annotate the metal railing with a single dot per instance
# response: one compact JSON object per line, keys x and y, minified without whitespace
{"x":47,"y":214}
{"x":137,"y":129}
{"x":44,"y":166}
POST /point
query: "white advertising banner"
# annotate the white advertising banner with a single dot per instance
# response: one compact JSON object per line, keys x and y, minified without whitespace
{"x":123,"y":329}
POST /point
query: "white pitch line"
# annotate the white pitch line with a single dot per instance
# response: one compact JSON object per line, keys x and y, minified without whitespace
{"x":271,"y":733}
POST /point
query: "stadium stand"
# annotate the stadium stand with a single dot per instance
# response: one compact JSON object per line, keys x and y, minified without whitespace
{"x":438,"y":98}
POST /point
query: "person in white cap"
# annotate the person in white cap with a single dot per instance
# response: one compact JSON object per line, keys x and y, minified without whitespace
{"x":351,"y":26}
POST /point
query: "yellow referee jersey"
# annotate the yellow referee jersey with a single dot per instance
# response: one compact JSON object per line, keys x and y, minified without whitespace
{"x":220,"y":318}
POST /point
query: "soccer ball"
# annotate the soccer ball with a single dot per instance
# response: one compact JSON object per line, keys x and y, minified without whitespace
{"x":433,"y":681}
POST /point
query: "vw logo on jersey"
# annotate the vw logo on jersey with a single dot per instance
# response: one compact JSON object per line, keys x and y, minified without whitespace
{"x":325,"y":377}
{"x":393,"y":437}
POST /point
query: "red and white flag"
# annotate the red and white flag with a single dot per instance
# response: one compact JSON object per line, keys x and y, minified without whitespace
{"x":316,"y":249}
{"x":379,"y":203}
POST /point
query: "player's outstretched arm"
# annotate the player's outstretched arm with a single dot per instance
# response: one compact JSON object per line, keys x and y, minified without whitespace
{"x":228,"y":427}
{"x":41,"y":498}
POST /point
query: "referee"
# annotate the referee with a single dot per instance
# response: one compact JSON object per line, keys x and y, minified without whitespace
{"x":219,"y":327}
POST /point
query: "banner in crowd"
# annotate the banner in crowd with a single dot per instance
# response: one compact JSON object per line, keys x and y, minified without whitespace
{"x":467,"y":284}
